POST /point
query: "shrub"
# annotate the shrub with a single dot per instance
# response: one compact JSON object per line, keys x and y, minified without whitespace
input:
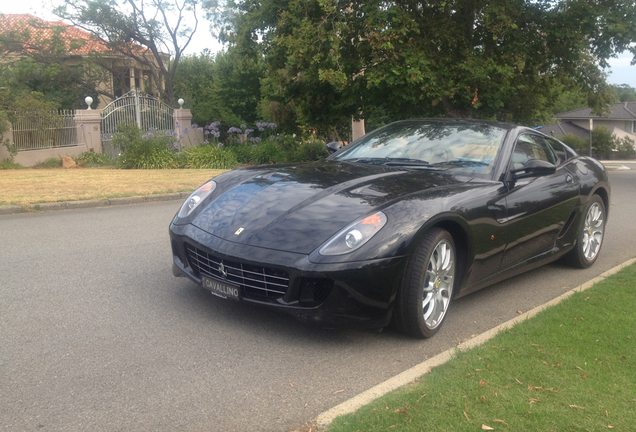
{"x":579,"y":145}
{"x":625,"y":147}
{"x":50,"y":163}
{"x":603,"y":141}
{"x":208,"y":156}
{"x":242,"y":153}
{"x":311,"y":151}
{"x":9,"y":164}
{"x":145,"y":151}
{"x":266,"y":153}
{"x":156,"y":159}
{"x":90,"y":159}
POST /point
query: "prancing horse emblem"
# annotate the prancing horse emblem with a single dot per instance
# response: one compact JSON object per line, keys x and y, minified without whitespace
{"x":222,"y":270}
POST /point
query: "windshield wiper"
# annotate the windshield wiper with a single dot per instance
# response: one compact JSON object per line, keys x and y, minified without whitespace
{"x":402,"y":162}
{"x":405,"y":162}
{"x":460,"y":162}
{"x":365,"y":160}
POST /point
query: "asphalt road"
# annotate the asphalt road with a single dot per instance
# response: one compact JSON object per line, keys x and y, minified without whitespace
{"x":96,"y":333}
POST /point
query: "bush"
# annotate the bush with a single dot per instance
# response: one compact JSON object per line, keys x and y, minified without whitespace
{"x":311,"y":151}
{"x":579,"y":145}
{"x":92,"y":159}
{"x":277,"y":150}
{"x":242,"y":153}
{"x":50,"y":163}
{"x":145,"y":151}
{"x":625,"y":147}
{"x":603,"y":141}
{"x":208,"y":156}
{"x":266,"y":153}
{"x":156,"y":159}
{"x":9,"y":164}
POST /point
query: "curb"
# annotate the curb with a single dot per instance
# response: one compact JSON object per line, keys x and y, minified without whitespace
{"x":324,"y":420}
{"x":68,"y":205}
{"x":617,"y":167}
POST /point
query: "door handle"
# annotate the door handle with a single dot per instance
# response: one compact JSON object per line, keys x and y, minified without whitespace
{"x":569,"y":178}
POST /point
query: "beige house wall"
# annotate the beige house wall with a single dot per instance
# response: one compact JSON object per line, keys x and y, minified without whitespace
{"x":610,"y":124}
{"x":622,"y":134}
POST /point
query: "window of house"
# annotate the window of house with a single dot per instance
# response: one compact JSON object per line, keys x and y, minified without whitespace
{"x":121,"y":81}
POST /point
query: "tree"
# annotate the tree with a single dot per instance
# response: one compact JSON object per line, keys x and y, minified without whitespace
{"x":505,"y":60}
{"x":64,"y":85}
{"x":143,"y":30}
{"x":625,"y":93}
{"x":38,"y":56}
{"x":223,"y":87}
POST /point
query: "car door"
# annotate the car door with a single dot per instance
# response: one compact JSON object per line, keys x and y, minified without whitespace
{"x":537,"y":207}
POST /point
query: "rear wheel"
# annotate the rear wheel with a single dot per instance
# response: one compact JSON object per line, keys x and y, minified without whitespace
{"x":591,"y":235}
{"x":427,"y":289}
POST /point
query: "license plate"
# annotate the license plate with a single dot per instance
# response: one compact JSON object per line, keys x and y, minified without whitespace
{"x":221,"y":289}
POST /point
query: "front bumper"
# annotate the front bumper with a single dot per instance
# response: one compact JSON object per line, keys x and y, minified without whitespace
{"x":359,"y":294}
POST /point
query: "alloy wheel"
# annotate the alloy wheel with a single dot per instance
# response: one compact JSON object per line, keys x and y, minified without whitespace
{"x":438,"y":284}
{"x":593,"y":232}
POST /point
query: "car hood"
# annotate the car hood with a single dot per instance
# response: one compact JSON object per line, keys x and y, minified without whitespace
{"x":296,"y":208}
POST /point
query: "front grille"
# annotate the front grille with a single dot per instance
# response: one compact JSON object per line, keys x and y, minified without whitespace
{"x":255,"y":281}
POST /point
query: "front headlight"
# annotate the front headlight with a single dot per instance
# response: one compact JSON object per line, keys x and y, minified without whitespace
{"x":355,"y":235}
{"x":196,"y":198}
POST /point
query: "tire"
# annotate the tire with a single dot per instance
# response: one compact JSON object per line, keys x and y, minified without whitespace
{"x":591,"y":235}
{"x":427,"y":289}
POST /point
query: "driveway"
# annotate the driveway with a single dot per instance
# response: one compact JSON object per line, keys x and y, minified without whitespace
{"x":96,"y":334}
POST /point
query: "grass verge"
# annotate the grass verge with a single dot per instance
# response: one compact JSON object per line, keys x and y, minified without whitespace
{"x":569,"y":368}
{"x":31,"y":186}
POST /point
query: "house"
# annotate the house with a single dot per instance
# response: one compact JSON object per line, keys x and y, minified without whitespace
{"x":121,"y":73}
{"x":620,"y":119}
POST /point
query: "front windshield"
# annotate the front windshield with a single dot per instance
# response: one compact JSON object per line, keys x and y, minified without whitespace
{"x":430,"y":145}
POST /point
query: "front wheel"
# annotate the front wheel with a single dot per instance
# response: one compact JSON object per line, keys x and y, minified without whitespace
{"x":427,"y":289}
{"x":590,"y":238}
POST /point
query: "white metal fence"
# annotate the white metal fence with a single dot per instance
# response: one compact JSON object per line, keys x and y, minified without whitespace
{"x":39,"y":130}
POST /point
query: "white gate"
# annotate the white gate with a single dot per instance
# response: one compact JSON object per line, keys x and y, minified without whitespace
{"x":135,"y":107}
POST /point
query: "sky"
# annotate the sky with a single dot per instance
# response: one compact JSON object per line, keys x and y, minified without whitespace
{"x":620,"y":72}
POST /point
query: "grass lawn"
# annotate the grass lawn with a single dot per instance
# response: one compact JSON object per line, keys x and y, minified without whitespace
{"x":31,"y":186}
{"x":570,"y":368}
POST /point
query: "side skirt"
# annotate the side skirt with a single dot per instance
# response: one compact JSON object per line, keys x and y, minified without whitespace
{"x":530,"y":264}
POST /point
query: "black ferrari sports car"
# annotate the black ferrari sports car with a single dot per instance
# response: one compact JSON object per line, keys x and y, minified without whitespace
{"x":394,"y":226}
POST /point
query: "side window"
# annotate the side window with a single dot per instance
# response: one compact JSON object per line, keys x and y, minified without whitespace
{"x":531,"y":147}
{"x":562,"y":153}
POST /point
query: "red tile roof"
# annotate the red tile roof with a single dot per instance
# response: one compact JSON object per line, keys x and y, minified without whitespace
{"x":40,"y":30}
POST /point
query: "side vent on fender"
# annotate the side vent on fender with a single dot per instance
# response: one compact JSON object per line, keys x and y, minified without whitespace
{"x":567,"y":225}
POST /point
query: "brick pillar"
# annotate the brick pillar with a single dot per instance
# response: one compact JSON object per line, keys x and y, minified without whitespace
{"x":8,"y":135}
{"x":183,"y":127}
{"x":89,"y":129}
{"x":357,"y":128}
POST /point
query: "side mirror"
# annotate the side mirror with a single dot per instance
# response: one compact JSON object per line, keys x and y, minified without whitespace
{"x":333,"y":147}
{"x":534,"y":168}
